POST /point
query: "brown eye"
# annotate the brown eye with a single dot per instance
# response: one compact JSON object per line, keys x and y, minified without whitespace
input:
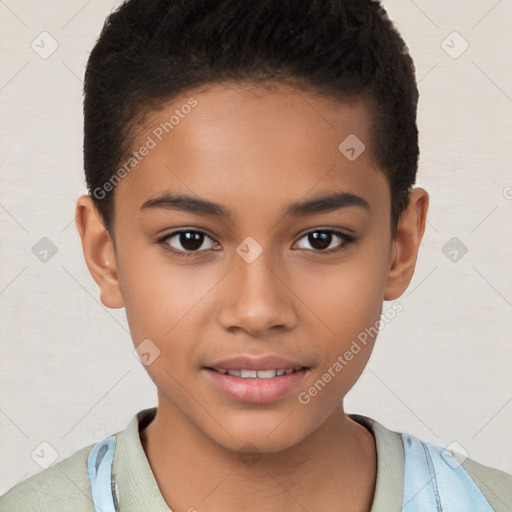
{"x":327,"y":240}
{"x":187,"y":242}
{"x":190,"y":240}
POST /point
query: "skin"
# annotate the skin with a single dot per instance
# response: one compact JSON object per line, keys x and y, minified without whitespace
{"x":255,"y":150}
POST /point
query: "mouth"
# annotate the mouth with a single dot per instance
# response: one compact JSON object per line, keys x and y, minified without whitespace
{"x":255,"y":380}
{"x":258,"y":373}
{"x":255,"y":385}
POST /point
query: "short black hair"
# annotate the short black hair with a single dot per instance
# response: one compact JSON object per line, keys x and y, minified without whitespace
{"x":150,"y":51}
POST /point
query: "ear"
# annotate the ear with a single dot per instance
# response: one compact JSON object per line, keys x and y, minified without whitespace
{"x":411,"y":227}
{"x":98,"y":251}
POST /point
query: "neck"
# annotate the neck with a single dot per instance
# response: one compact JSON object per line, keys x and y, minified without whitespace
{"x":333,"y":468}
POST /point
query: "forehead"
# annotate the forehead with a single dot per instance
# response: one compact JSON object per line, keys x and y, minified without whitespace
{"x":253,"y":145}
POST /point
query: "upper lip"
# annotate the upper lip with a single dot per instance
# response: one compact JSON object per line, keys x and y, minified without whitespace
{"x":256,"y":363}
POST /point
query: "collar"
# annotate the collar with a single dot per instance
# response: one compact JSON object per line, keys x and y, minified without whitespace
{"x":133,"y":472}
{"x":389,"y":486}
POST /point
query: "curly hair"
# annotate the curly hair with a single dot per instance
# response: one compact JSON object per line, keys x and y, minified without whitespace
{"x":150,"y":51}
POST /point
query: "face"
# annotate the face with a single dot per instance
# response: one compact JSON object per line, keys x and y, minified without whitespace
{"x":247,"y":241}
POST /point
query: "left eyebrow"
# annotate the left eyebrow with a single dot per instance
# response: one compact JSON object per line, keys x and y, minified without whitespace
{"x":322,"y":204}
{"x":327,"y":203}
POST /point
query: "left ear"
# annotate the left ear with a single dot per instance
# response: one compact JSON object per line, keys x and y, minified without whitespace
{"x":411,"y":227}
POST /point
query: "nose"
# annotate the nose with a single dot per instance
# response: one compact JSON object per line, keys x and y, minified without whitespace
{"x":256,"y":297}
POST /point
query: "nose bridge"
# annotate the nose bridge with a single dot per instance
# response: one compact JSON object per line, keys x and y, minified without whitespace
{"x":256,"y":298}
{"x":254,"y":267}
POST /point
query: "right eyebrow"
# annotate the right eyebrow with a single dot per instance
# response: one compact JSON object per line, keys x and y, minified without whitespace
{"x":174,"y":201}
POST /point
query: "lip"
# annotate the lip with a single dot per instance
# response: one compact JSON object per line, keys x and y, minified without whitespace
{"x":255,"y":390}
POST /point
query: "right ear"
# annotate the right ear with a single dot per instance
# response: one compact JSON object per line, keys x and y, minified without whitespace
{"x":99,"y":253}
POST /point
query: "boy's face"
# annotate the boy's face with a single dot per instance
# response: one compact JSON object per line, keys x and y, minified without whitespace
{"x":255,"y":284}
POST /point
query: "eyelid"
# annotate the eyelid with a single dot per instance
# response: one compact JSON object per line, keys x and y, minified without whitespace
{"x":345,"y":232}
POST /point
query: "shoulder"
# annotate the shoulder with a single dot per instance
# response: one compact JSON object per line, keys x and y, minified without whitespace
{"x":495,"y":485}
{"x":455,"y":476}
{"x":66,"y":487}
{"x":59,"y":488}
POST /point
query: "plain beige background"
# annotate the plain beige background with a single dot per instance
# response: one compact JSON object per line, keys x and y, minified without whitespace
{"x":441,"y":369}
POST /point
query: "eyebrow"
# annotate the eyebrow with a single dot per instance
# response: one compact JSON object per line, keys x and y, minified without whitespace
{"x":322,"y":204}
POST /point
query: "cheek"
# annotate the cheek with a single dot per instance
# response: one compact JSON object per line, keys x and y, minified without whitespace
{"x":161,"y":299}
{"x":349,"y":313}
{"x":348,"y":297}
{"x":347,"y":300}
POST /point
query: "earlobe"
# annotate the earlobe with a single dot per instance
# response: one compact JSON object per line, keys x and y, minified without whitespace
{"x":99,"y":252}
{"x":411,"y":227}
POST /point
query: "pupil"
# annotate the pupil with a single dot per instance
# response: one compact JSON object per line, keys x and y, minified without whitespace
{"x":323,"y":238}
{"x":190,"y":240}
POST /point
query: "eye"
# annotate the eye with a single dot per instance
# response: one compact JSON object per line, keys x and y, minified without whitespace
{"x":186,"y":242}
{"x":322,"y":240}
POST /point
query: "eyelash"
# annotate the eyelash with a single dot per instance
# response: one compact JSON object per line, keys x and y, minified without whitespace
{"x":347,"y":239}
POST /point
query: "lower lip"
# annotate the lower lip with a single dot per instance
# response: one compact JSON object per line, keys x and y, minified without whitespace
{"x":255,"y":391}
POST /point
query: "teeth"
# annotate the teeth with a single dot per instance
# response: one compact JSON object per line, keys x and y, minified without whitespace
{"x":266,"y":374}
{"x":258,"y":374}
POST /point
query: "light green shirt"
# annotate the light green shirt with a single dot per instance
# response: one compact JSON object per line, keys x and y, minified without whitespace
{"x":65,"y":487}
